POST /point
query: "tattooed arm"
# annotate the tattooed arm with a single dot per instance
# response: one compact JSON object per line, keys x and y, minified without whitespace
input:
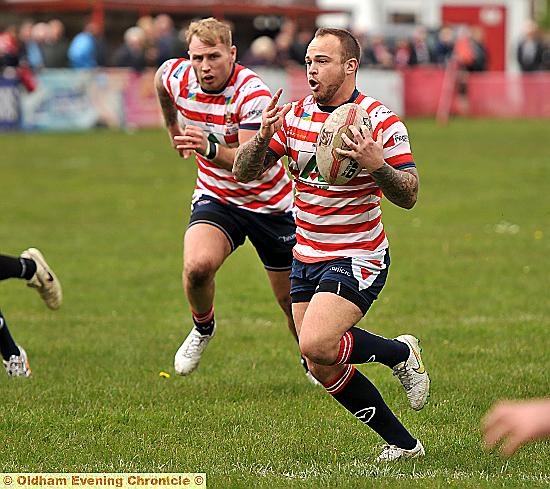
{"x":251,"y":158}
{"x":399,"y":186}
{"x":165,"y":101}
{"x":169,"y":112}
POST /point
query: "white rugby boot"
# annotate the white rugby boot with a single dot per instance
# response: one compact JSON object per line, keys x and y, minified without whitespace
{"x":392,"y":453}
{"x":18,"y":365}
{"x":188,"y":356}
{"x":412,"y":373}
{"x":44,"y":280}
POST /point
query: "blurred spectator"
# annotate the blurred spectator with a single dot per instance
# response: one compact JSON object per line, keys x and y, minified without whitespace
{"x":530,"y":48}
{"x":284,"y":40}
{"x":463,"y":50}
{"x":147,"y":24}
{"x":12,"y":64}
{"x":402,"y":53}
{"x":262,"y":52}
{"x":479,"y":50}
{"x":131,"y":53}
{"x":85,"y":50}
{"x":56,"y":45}
{"x":422,"y":51}
{"x":383,"y":58}
{"x":35,"y":46}
{"x":367,"y":54}
{"x":9,"y":48}
{"x":24,"y":36}
{"x":167,"y":42}
{"x":470,"y":55}
{"x":444,"y":45}
{"x":297,"y":51}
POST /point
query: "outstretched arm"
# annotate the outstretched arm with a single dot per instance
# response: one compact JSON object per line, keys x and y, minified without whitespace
{"x":515,"y":423}
{"x":399,"y":186}
{"x":251,"y":159}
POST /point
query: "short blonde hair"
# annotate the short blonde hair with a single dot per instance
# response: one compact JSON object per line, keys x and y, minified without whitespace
{"x":210,"y":31}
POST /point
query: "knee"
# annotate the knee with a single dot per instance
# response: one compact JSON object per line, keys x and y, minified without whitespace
{"x":198,"y":273}
{"x":316,"y":350}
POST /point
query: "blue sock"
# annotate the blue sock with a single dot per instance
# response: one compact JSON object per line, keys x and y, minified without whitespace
{"x":204,"y":322}
{"x":359,"y":346}
{"x":361,"y":398}
{"x":7,"y":345}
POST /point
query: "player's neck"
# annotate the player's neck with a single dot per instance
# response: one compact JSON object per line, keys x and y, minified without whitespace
{"x":340,"y":100}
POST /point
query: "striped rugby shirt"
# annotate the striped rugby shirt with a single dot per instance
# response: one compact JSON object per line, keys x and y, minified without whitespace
{"x":336,"y":221}
{"x":238,"y":106}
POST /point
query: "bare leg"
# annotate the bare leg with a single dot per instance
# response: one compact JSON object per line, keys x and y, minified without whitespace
{"x":205,"y":249}
{"x":280,"y":283}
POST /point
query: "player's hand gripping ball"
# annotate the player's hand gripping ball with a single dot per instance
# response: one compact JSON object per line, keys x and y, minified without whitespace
{"x":337,"y":169}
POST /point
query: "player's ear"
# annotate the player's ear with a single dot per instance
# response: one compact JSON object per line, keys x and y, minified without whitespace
{"x":351,"y":66}
{"x":233,"y":53}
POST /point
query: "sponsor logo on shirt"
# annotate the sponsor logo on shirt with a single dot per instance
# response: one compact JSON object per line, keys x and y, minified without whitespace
{"x":381,"y":111}
{"x":397,"y":139}
{"x":400,"y":138}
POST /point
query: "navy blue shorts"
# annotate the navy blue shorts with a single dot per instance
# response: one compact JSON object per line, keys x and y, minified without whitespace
{"x":357,"y":279}
{"x":273,"y":235}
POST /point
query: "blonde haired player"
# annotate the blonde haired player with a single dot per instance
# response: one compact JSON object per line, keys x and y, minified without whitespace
{"x":220,"y":104}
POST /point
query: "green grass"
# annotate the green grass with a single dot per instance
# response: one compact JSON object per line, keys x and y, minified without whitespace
{"x":469,"y":276}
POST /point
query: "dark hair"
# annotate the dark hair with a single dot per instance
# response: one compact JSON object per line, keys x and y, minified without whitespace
{"x":348,"y":42}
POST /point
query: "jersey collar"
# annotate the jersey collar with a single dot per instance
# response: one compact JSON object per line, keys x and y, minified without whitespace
{"x":331,"y":108}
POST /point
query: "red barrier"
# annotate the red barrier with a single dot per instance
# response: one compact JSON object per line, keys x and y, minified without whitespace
{"x":423,"y":88}
{"x":140,"y":101}
{"x":500,"y":95}
{"x":487,"y":94}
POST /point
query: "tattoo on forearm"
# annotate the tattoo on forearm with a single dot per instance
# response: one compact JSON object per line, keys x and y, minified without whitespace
{"x":250,"y":159}
{"x":400,"y":187}
{"x":168,"y":108}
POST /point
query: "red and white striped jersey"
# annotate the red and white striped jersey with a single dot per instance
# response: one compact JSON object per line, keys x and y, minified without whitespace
{"x":238,"y":106}
{"x":337,"y":220}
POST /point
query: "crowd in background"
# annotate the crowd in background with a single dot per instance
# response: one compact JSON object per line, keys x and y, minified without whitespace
{"x":378,"y":51}
{"x":32,"y":46}
{"x":44,"y":45}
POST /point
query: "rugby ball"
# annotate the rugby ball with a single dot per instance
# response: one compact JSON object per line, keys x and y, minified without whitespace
{"x":333,"y":167}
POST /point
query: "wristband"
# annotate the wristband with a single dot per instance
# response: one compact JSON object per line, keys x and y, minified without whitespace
{"x":212,"y":151}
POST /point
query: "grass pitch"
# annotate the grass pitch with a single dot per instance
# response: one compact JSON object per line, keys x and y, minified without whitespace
{"x":469,"y":276}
